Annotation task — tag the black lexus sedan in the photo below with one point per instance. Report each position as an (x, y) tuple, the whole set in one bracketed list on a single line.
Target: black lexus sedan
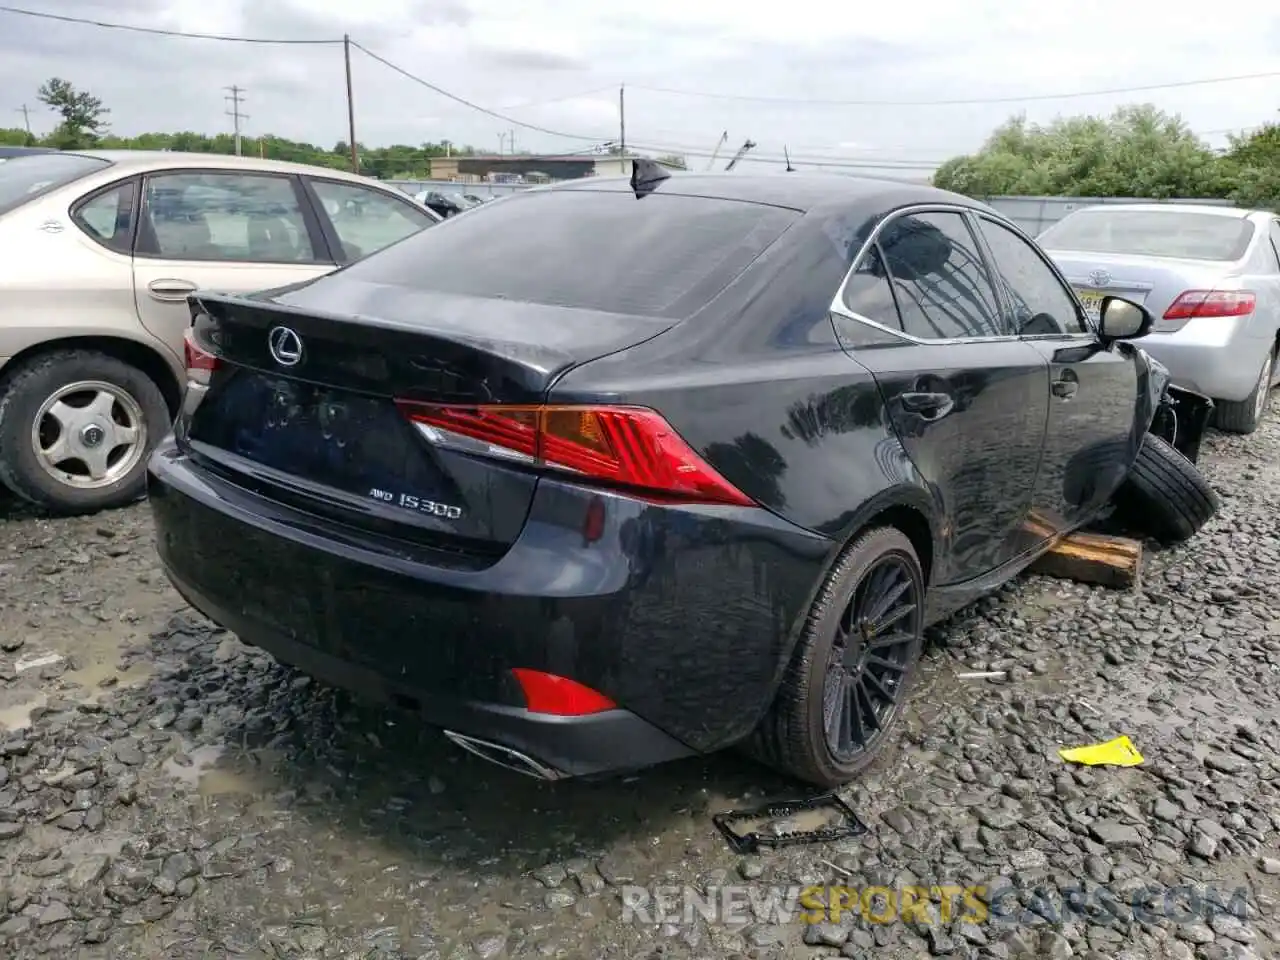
[(619, 471)]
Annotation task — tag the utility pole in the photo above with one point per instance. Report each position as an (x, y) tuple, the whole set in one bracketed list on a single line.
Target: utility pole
[(502, 144), (511, 141), (351, 105), (26, 121), (236, 116), (622, 121)]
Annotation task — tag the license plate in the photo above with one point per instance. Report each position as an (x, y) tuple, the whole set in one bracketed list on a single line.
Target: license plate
[(1092, 302)]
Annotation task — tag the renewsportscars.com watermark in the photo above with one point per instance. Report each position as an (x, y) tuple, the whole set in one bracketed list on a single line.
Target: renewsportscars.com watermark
[(747, 903)]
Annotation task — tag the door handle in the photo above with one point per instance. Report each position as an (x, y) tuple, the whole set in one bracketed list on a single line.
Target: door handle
[(1065, 388), (171, 290), (928, 406)]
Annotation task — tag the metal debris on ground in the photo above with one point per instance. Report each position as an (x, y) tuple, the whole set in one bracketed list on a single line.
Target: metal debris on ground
[(784, 823), (983, 675), (1119, 752)]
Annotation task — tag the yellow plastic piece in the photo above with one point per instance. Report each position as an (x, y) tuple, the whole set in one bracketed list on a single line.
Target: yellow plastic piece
[(1114, 753)]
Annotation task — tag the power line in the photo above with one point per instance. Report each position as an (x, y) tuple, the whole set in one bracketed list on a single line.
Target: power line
[(798, 101), (467, 103), (158, 32)]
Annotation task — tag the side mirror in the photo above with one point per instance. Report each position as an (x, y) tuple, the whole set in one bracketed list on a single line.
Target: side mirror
[(1121, 319)]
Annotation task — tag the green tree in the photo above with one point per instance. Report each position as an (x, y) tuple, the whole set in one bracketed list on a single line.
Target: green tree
[(1253, 162), (83, 115), (1137, 151)]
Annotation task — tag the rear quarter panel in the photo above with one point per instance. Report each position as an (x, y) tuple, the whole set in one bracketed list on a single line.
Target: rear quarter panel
[(761, 387), (56, 283)]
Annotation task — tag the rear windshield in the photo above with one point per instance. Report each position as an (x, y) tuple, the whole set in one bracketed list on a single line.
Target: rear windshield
[(25, 178), (660, 256), (1151, 233)]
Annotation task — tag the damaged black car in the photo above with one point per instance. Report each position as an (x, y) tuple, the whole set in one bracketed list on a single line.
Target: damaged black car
[(620, 471)]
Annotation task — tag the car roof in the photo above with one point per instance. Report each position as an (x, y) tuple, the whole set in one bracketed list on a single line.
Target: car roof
[(140, 161), (798, 191)]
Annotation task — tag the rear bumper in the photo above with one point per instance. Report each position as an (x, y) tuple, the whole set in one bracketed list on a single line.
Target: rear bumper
[(684, 617), (569, 746), (1220, 358)]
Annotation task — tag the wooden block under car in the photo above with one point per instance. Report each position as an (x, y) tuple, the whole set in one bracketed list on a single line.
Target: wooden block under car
[(1094, 558)]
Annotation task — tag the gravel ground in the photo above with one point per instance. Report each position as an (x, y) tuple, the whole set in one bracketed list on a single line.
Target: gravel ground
[(168, 792)]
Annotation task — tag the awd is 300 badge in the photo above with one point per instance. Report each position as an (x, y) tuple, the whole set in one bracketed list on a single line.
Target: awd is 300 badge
[(407, 501)]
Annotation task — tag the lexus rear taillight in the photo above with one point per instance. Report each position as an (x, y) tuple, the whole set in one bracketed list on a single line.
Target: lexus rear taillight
[(628, 447), (559, 696), (1211, 303), (200, 363)]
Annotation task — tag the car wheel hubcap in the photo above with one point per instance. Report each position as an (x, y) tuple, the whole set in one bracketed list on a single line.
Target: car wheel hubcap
[(89, 434), (870, 656), (1264, 388)]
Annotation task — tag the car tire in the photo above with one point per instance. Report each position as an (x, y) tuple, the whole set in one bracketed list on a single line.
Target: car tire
[(1165, 494), (794, 735), (1245, 416), (124, 396)]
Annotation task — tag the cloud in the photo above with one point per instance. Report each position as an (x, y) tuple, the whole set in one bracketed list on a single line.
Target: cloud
[(531, 60), (554, 59)]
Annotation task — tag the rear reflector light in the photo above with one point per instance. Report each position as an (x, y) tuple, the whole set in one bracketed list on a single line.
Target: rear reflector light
[(1211, 303), (200, 364), (631, 447), (559, 696)]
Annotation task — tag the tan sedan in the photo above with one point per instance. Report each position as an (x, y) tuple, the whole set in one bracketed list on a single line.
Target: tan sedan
[(98, 253)]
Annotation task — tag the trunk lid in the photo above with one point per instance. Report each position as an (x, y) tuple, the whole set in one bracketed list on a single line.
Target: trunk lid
[(315, 424), (1154, 282)]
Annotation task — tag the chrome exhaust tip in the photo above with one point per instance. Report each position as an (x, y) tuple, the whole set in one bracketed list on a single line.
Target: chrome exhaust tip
[(506, 757)]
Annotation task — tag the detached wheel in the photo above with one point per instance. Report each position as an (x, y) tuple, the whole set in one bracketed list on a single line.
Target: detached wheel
[(1165, 494), (853, 666), (1245, 416), (75, 431)]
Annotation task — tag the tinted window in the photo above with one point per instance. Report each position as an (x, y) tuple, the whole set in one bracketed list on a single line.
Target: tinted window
[(660, 255), (107, 217), (25, 178), (1151, 233), (939, 279), (1039, 301), (365, 219), (251, 218), (868, 291)]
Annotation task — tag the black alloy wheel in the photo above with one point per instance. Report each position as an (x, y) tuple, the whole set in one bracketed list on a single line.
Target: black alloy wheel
[(852, 667), (875, 646)]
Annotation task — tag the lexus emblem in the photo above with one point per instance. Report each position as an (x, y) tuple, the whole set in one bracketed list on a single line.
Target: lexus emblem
[(285, 346), (1099, 278)]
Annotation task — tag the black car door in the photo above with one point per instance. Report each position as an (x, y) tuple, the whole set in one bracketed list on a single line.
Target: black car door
[(967, 399), (1091, 441)]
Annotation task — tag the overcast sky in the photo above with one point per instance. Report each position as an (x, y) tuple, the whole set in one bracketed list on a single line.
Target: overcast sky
[(558, 64)]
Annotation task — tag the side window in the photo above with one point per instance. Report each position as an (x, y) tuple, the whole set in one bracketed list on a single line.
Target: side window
[(250, 218), (107, 217), (365, 219), (939, 279), (869, 292), (1041, 304), (1275, 241)]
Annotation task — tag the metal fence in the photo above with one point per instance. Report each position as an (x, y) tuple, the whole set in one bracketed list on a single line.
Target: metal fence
[(1037, 214), (447, 187), (1032, 214)]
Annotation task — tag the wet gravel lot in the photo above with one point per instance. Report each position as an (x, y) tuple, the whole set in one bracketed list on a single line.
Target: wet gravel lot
[(166, 792)]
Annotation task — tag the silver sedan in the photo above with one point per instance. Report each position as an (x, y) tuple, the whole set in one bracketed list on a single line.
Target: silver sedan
[(1211, 277)]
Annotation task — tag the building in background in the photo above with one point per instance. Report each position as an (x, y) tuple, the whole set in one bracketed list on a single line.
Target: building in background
[(530, 169)]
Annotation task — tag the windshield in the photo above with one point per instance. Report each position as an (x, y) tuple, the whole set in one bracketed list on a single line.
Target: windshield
[(1151, 233), (25, 178), (660, 256)]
